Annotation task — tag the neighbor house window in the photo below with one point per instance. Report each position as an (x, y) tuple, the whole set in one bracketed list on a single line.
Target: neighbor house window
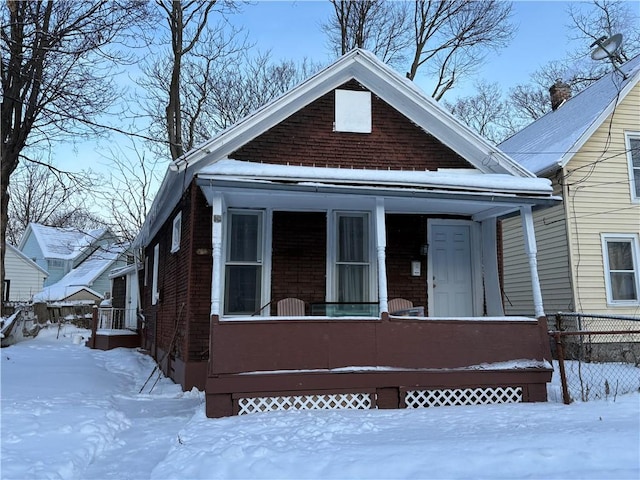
[(352, 258), (55, 263), (244, 258), (155, 292), (176, 233), (621, 268), (633, 154)]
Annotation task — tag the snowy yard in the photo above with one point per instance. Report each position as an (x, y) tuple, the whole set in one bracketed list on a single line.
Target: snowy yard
[(71, 412)]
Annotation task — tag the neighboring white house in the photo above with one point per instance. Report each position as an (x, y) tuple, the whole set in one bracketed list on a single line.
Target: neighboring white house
[(589, 246), (23, 277)]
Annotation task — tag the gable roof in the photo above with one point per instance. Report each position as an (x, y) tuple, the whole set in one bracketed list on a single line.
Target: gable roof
[(551, 141), (398, 91), (59, 293), (61, 243), (21, 256), (393, 88)]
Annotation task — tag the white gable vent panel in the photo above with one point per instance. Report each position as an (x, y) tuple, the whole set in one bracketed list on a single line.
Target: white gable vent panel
[(353, 111)]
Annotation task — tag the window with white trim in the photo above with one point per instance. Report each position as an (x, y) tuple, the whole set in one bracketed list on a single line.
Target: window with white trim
[(622, 273), (633, 156), (352, 254), (244, 262), (155, 292), (176, 233)]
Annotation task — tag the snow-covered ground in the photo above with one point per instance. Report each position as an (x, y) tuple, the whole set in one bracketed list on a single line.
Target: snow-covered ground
[(71, 412)]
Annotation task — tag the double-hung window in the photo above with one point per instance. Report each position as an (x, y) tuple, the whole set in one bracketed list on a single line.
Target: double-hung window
[(633, 155), (244, 261), (352, 255), (622, 271)]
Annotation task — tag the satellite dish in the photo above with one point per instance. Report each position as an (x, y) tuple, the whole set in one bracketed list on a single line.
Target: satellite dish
[(606, 47)]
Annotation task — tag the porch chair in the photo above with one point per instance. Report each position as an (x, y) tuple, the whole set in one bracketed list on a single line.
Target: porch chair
[(290, 307), (398, 305)]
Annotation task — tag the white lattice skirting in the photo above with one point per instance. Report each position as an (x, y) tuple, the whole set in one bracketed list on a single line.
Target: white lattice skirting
[(305, 402), (462, 396)]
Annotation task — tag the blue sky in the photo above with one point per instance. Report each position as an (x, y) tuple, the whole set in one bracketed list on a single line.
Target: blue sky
[(292, 30)]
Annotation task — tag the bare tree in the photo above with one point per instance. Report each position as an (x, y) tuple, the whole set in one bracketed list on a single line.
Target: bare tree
[(221, 82), (55, 74), (218, 50), (451, 38), (41, 193), (238, 89), (589, 21), (187, 20), (606, 18), (485, 112), (375, 25), (447, 38), (127, 193)]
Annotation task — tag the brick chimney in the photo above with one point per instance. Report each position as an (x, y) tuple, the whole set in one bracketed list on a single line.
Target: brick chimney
[(560, 92)]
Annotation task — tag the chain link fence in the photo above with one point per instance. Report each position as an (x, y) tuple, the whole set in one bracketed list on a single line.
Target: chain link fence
[(598, 355)]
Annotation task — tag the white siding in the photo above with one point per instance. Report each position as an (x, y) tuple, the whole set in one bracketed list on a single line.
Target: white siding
[(599, 201), (25, 278), (553, 264)]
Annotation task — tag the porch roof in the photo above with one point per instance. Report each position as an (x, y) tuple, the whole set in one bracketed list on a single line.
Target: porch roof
[(449, 192)]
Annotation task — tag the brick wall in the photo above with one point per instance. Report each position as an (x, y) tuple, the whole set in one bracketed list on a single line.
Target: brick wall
[(405, 235), (184, 279), (307, 138), (197, 225), (299, 256)]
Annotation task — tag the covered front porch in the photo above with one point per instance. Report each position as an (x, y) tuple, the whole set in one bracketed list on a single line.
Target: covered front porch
[(377, 290)]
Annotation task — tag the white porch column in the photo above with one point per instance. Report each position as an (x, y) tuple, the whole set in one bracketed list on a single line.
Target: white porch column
[(381, 245), (492, 293), (529, 235), (216, 249)]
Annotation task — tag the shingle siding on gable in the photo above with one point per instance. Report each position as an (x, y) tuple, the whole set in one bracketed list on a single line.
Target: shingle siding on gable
[(307, 138)]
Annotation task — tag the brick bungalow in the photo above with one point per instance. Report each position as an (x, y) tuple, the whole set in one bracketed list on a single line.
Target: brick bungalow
[(338, 248)]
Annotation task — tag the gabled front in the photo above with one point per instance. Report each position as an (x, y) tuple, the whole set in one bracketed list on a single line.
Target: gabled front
[(348, 226)]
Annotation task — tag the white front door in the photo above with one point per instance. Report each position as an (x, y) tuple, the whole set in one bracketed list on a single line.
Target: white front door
[(451, 269), (131, 301)]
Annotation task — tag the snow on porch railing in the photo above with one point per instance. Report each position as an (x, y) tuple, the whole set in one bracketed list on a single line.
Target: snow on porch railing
[(117, 318)]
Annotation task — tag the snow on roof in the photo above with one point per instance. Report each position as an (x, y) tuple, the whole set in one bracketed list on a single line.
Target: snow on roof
[(58, 293), (449, 179), (83, 276), (553, 139), (64, 243), (373, 74)]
